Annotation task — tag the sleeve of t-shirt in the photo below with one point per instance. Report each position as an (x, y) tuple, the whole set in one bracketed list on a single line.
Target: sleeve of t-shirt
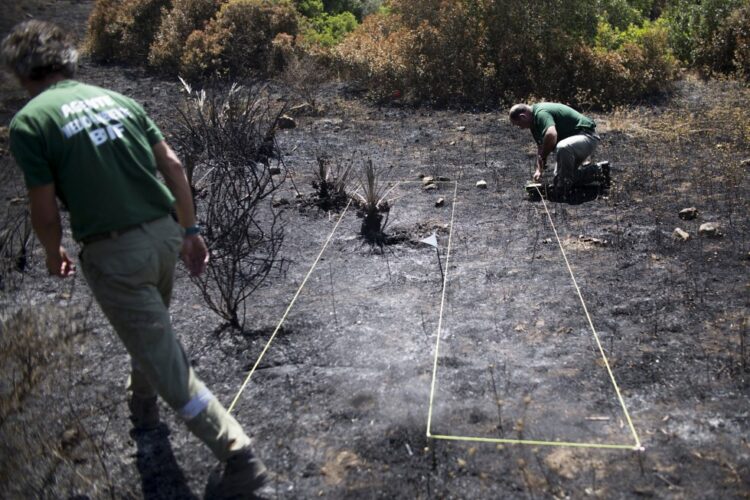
[(545, 121), (152, 132), (27, 147)]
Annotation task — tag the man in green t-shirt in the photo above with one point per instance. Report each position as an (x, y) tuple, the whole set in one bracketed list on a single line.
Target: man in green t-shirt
[(566, 132), (99, 153)]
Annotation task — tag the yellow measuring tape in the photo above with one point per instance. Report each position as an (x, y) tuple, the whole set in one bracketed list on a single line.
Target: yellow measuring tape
[(636, 446), (289, 308)]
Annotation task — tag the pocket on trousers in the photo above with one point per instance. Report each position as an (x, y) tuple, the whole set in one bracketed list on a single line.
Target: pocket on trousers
[(128, 268)]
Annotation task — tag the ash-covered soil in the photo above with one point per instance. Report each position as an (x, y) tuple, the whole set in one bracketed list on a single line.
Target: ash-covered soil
[(339, 403)]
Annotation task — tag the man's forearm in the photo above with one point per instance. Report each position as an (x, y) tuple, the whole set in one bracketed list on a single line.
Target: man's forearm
[(174, 176), (178, 185), (48, 231), (45, 217)]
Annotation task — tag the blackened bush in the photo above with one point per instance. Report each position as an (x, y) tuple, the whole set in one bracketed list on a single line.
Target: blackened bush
[(122, 31), (226, 136), (239, 40)]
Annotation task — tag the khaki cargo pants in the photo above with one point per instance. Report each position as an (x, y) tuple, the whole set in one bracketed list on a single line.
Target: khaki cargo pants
[(569, 154), (131, 278)]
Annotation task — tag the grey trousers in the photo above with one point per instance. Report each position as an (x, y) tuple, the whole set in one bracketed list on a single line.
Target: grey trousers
[(569, 155), (131, 277)]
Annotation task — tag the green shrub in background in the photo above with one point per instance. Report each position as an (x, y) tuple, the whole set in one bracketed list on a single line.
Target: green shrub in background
[(176, 25), (622, 13), (310, 8), (587, 52), (122, 31), (478, 52), (625, 65), (726, 51), (327, 30), (360, 8), (239, 40), (705, 34)]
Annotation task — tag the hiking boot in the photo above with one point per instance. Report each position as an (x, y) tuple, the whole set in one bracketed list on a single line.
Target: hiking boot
[(243, 477), (144, 412)]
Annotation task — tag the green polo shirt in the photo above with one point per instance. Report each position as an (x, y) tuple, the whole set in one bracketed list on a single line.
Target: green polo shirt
[(95, 146), (567, 121)]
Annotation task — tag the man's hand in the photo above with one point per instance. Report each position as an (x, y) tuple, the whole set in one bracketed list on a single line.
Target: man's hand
[(194, 254), (59, 264), (540, 165)]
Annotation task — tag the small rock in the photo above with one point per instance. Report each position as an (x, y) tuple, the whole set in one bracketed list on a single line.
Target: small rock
[(70, 438), (710, 230), (688, 213), (287, 122), (680, 234), (461, 128), (482, 184), (427, 180), (591, 240), (274, 170), (430, 187), (440, 202), (745, 162)]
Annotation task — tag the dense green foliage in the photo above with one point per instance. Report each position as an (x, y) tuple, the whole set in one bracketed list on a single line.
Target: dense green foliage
[(588, 52)]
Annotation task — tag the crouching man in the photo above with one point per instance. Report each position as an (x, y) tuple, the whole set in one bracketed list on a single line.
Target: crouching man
[(99, 153), (570, 135)]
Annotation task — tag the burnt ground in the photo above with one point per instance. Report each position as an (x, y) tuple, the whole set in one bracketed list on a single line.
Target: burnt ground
[(339, 403)]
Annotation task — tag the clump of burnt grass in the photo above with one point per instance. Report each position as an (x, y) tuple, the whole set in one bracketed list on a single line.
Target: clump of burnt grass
[(373, 204), (16, 241), (39, 432), (331, 181)]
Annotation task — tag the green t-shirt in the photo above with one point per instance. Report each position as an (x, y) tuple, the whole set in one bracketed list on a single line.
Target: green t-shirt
[(95, 146), (567, 121)]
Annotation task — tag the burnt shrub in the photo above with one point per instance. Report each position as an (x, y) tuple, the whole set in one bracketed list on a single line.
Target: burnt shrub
[(226, 135), (239, 40), (373, 205), (177, 24), (16, 238), (122, 31)]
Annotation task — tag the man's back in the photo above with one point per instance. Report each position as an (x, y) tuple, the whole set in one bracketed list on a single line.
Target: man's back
[(566, 120), (95, 146)]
